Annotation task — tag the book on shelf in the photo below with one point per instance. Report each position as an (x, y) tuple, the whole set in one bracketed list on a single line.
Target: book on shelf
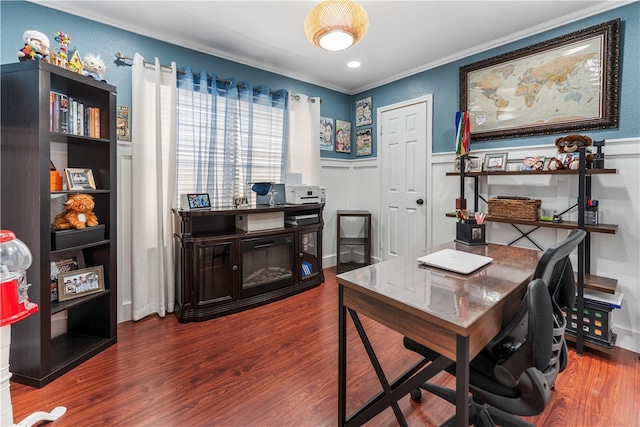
[(68, 115)]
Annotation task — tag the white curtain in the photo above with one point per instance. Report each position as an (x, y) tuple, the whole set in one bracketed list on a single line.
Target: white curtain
[(303, 138), (153, 128)]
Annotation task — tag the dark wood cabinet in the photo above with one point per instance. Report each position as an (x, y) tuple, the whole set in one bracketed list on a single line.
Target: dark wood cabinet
[(28, 146), (221, 269)]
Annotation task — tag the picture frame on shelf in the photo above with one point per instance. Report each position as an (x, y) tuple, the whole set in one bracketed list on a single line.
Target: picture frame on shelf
[(473, 164), (79, 283), (79, 179), (495, 162), (533, 163), (583, 65), (64, 263)]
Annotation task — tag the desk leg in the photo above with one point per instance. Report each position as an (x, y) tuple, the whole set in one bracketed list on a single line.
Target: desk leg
[(462, 381), (342, 359)]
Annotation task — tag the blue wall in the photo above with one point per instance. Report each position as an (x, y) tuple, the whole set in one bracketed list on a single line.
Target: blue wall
[(92, 37), (442, 82)]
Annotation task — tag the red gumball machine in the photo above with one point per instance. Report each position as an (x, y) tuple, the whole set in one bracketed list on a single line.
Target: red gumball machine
[(15, 259)]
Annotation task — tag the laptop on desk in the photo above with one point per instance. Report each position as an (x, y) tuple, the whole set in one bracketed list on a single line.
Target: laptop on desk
[(456, 261)]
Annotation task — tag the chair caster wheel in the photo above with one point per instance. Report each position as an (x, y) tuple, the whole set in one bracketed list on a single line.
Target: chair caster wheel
[(416, 395)]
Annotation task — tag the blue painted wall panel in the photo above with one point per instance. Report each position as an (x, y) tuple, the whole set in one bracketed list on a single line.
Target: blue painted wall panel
[(442, 82)]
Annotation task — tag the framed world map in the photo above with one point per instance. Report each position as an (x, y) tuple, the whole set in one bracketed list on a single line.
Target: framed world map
[(566, 84)]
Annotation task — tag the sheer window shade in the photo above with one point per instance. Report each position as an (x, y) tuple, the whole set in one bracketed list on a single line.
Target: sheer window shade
[(228, 137)]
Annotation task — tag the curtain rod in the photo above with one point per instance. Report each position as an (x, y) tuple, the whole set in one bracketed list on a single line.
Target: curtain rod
[(122, 57), (297, 98)]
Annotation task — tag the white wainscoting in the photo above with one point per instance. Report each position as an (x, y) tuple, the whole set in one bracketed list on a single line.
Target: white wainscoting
[(124, 231), (350, 184), (355, 184)]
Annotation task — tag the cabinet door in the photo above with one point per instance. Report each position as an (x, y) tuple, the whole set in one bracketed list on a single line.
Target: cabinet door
[(309, 264), (215, 272)]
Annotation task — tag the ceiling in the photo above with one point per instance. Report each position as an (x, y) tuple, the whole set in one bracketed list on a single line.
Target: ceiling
[(404, 37)]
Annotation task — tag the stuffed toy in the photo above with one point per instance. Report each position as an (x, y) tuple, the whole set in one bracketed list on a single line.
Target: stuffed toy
[(568, 155), (77, 213), (93, 66), (36, 46)]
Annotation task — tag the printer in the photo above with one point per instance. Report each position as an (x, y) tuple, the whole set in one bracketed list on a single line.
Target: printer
[(302, 194)]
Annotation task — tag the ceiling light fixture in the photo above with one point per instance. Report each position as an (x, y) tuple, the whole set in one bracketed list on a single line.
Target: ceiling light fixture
[(353, 64), (336, 24)]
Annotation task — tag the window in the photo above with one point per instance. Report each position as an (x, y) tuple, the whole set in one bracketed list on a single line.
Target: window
[(228, 137)]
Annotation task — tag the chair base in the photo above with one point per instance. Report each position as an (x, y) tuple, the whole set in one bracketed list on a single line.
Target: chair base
[(480, 413)]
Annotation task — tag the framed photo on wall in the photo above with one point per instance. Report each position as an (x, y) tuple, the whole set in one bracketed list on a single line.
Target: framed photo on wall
[(326, 134), (343, 136), (567, 84), (364, 142), (123, 127), (364, 113)]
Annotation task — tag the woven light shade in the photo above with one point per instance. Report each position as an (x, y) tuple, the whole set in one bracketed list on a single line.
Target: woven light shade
[(336, 24)]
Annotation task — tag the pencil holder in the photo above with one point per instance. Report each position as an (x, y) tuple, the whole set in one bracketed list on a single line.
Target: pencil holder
[(470, 234)]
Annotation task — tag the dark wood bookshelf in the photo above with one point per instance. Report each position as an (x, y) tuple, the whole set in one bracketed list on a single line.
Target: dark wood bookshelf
[(28, 142)]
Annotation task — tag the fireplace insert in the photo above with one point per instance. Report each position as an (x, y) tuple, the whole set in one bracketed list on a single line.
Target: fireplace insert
[(267, 264)]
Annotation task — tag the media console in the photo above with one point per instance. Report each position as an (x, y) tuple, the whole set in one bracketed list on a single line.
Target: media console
[(221, 269)]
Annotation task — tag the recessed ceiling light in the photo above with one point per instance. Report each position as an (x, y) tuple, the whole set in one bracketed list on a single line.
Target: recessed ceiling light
[(353, 64)]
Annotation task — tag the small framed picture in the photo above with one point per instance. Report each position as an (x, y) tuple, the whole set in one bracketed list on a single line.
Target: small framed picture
[(363, 142), (195, 201), (364, 112), (122, 123), (533, 163), (79, 179), (474, 164), (495, 162), (343, 136), (78, 283), (326, 134), (64, 264)]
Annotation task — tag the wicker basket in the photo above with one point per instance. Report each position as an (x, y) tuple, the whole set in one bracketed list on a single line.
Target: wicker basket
[(524, 210)]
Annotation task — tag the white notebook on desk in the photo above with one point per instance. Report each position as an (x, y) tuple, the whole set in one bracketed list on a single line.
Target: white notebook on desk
[(457, 261)]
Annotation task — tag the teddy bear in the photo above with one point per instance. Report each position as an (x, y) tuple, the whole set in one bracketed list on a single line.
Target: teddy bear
[(568, 157), (77, 213)]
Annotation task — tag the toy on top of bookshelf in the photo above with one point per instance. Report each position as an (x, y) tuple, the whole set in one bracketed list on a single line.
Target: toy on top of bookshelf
[(94, 67), (75, 62), (36, 46), (59, 55)]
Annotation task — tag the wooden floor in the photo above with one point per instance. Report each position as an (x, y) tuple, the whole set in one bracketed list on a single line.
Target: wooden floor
[(276, 365)]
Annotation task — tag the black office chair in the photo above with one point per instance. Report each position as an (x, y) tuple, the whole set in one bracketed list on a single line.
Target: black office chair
[(513, 375)]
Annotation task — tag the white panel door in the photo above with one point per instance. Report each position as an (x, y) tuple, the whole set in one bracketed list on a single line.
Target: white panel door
[(403, 145)]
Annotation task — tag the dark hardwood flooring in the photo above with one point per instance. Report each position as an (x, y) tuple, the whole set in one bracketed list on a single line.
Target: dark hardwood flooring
[(276, 365)]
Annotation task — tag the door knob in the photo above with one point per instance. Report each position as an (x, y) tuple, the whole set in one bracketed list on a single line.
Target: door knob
[(420, 201)]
